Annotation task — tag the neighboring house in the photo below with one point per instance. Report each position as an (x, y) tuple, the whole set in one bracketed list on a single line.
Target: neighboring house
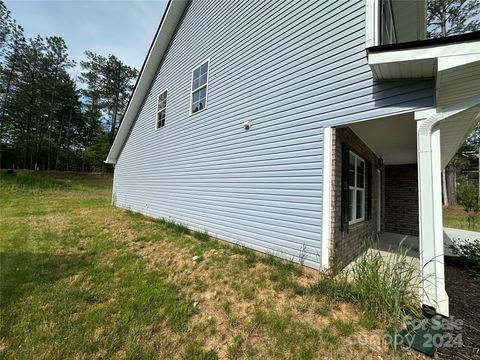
[(299, 128)]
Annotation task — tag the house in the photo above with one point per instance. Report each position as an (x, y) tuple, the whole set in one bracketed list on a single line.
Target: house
[(300, 128)]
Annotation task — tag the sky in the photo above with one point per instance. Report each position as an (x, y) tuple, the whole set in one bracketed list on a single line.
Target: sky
[(124, 28)]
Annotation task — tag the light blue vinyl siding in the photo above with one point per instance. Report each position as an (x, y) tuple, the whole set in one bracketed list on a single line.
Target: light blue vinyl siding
[(291, 68)]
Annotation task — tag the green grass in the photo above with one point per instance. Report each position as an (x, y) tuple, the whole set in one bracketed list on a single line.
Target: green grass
[(292, 338), (235, 350), (368, 321), (56, 295), (23, 181), (195, 351), (455, 217), (460, 222), (82, 279), (344, 327)]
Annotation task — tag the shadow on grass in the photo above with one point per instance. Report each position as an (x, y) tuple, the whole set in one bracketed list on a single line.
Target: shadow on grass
[(21, 273)]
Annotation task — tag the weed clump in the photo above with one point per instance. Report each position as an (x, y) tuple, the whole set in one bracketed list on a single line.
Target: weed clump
[(385, 288), (201, 236)]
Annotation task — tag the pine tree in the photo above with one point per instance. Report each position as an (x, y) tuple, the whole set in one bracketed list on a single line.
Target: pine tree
[(451, 17), (112, 83), (46, 121), (58, 63)]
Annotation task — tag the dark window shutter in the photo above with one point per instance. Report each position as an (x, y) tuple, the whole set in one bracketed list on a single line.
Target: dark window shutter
[(369, 190), (345, 187)]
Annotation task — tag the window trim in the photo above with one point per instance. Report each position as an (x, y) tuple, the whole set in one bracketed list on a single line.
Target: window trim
[(355, 188), (199, 88), (159, 110), (372, 23)]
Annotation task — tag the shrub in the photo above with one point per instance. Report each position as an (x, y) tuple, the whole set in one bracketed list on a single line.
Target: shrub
[(467, 195), (469, 252)]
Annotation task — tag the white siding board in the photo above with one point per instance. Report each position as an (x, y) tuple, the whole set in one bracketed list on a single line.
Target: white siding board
[(292, 68), (269, 119)]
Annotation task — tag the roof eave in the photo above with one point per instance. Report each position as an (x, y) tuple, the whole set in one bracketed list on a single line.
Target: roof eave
[(166, 30)]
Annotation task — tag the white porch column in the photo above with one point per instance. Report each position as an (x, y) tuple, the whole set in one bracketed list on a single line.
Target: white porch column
[(430, 216)]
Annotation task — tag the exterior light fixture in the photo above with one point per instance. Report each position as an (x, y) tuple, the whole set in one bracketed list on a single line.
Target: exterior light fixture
[(380, 162)]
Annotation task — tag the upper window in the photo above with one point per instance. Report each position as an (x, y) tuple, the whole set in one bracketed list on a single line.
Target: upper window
[(161, 109), (198, 101), (356, 185)]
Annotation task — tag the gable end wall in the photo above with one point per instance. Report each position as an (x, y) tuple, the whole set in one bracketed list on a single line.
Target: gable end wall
[(291, 68)]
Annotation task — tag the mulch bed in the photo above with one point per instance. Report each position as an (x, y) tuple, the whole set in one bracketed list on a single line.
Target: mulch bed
[(464, 294)]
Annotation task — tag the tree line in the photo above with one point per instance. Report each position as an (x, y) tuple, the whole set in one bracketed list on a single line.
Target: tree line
[(447, 18), (49, 119)]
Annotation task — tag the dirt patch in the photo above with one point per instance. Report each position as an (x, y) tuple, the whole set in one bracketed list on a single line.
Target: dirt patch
[(454, 211)]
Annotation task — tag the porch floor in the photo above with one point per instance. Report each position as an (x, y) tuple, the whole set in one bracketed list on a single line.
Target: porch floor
[(390, 242)]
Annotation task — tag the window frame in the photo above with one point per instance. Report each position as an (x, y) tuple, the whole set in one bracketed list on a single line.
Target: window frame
[(162, 109), (372, 23), (206, 85), (356, 189)]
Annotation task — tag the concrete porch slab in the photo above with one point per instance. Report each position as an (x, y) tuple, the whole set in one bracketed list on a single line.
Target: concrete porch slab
[(390, 241), (389, 257)]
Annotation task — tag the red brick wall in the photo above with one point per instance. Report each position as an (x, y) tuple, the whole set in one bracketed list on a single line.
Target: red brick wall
[(347, 245), (401, 199)]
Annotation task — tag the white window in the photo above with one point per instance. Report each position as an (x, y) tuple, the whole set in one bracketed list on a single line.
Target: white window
[(198, 99), (356, 193), (161, 109)]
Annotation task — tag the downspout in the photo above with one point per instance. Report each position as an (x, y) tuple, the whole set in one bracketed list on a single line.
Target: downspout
[(426, 128), (431, 227), (431, 256)]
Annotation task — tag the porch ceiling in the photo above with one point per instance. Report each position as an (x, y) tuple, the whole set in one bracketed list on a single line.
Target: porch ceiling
[(393, 138), (457, 83), (457, 80), (454, 131)]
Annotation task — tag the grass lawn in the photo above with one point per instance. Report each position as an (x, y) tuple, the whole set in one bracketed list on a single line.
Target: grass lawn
[(455, 217), (82, 279)]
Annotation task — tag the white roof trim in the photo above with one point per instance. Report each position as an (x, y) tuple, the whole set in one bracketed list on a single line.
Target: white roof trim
[(165, 32), (470, 47)]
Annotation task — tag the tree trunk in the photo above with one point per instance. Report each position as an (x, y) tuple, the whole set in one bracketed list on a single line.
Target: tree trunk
[(59, 144), (114, 119), (50, 117), (451, 179), (444, 189), (28, 136), (443, 24), (5, 99)]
